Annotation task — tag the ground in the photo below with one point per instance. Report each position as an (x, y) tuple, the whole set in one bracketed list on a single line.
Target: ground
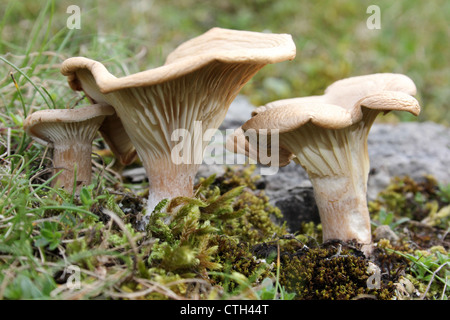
[(228, 242), (224, 243)]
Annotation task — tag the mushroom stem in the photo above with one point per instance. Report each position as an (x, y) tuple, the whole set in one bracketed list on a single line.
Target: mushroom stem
[(167, 181), (337, 163), (71, 156), (343, 209)]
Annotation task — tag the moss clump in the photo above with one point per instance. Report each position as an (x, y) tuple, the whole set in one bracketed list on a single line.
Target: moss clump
[(186, 231), (331, 274), (181, 238), (406, 197), (257, 223), (236, 256), (425, 205)]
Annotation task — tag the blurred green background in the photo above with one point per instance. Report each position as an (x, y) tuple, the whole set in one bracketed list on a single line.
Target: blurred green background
[(332, 39)]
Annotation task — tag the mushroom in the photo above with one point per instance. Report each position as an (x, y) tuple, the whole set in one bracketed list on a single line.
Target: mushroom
[(327, 136), (70, 133), (115, 136), (182, 100)]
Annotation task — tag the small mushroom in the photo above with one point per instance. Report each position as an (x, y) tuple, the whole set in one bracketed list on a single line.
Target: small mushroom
[(115, 136), (180, 100), (327, 136), (70, 133)]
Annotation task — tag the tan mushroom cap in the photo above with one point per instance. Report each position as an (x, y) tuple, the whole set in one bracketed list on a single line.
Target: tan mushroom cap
[(295, 114), (292, 116), (285, 102), (391, 101), (218, 44), (43, 125), (347, 92)]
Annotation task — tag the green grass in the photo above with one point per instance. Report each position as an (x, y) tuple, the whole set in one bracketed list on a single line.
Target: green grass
[(42, 230)]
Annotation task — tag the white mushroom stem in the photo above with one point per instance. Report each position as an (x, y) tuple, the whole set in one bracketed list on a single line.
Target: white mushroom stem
[(337, 163), (343, 208), (169, 181)]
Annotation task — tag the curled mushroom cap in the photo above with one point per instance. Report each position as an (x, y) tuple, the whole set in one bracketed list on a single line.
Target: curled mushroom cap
[(180, 100), (327, 135), (70, 133), (347, 92)]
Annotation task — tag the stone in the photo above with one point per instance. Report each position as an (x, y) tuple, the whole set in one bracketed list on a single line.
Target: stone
[(298, 206), (385, 232), (412, 149)]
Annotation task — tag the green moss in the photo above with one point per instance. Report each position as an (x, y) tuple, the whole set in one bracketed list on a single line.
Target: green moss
[(215, 230), (226, 239), (429, 271), (236, 256), (121, 239), (181, 238), (323, 273), (257, 223), (309, 231), (405, 197), (80, 249)]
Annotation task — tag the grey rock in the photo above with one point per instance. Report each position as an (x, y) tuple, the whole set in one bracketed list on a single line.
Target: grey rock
[(385, 232), (298, 205), (408, 149)]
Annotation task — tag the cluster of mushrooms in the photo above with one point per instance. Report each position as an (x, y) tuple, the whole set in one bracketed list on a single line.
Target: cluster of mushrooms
[(137, 114)]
